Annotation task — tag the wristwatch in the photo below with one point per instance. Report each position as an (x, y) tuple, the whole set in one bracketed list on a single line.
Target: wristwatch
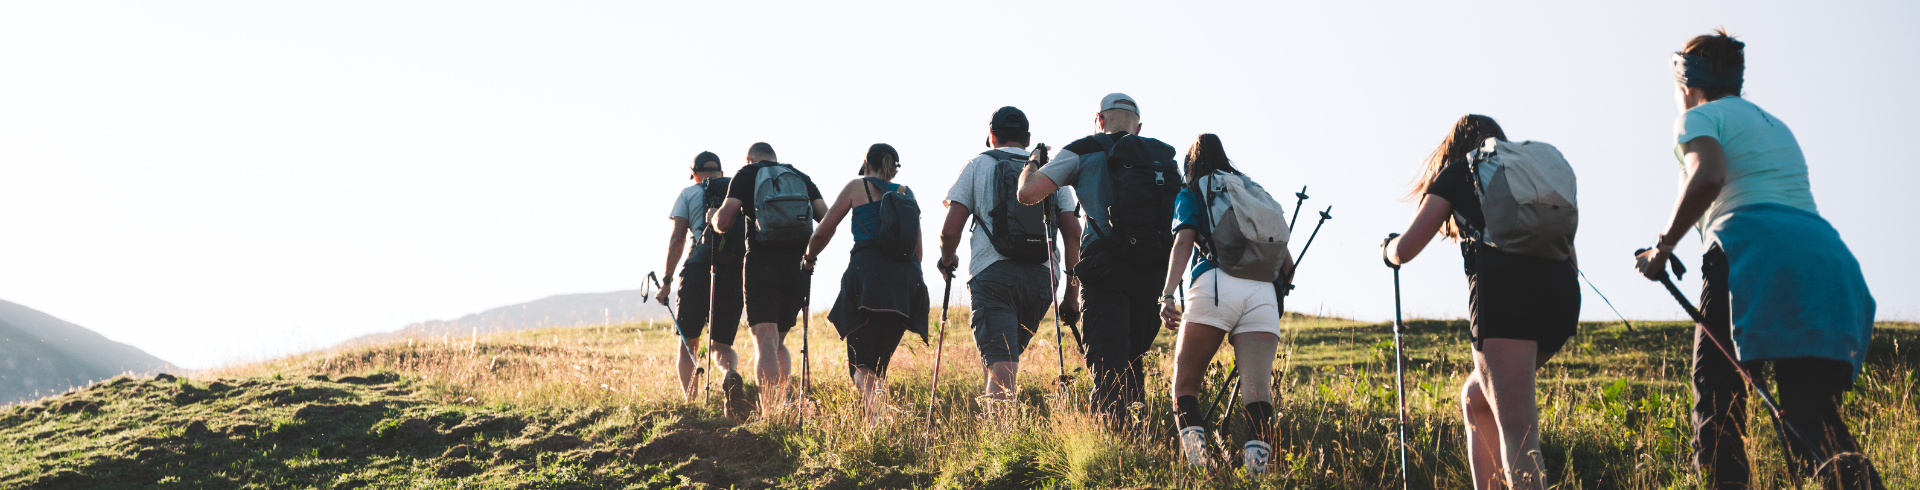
[(1166, 299)]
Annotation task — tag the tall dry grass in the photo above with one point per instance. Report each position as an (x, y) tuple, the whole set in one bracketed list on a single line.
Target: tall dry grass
[(1613, 405)]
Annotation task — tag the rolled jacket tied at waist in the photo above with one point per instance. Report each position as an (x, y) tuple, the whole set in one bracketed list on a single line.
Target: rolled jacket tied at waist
[(1697, 71)]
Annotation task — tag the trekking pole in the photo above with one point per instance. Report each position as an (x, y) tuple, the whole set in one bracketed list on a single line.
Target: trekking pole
[(1235, 372), (1782, 427), (1603, 297), (806, 363), (933, 391), (1059, 337), (1399, 373), (685, 345), (1302, 197)]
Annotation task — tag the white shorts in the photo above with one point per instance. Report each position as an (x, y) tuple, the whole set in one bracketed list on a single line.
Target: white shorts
[(1244, 305)]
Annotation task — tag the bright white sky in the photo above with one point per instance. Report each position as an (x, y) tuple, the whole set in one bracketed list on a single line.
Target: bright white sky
[(223, 181)]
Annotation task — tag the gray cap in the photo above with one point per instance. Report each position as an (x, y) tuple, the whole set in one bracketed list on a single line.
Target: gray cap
[(1118, 100)]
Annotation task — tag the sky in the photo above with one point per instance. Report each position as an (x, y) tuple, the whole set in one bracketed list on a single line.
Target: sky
[(221, 182)]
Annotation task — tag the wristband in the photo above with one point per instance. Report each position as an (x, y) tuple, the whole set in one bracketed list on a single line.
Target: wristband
[(1663, 246), (1166, 299)]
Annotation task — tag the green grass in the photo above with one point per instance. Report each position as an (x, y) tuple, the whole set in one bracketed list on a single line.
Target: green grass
[(597, 407)]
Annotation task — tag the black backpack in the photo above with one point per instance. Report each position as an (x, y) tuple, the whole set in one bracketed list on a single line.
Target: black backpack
[(1145, 182), (1017, 231), (710, 243), (899, 215)]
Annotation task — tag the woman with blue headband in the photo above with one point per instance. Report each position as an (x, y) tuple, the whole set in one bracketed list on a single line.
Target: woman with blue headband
[(1778, 281)]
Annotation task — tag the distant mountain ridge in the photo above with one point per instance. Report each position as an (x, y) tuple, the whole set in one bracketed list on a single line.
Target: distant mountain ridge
[(553, 311), (42, 355)]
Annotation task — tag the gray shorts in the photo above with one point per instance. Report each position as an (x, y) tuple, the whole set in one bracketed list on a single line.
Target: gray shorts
[(1009, 299)]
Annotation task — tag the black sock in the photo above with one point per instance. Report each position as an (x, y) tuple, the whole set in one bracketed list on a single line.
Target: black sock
[(1187, 409), (1259, 421)]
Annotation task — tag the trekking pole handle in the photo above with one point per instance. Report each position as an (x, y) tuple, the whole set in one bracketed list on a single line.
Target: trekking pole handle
[(1383, 251)]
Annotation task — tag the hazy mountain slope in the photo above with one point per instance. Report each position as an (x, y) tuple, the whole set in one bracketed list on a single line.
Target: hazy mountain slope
[(41, 355), (552, 311)]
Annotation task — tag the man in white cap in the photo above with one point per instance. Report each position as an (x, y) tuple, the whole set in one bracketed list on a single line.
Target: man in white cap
[(1127, 184)]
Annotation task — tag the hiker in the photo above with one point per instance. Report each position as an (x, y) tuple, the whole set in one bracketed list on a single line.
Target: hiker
[(780, 205), (882, 293), (1127, 184), (710, 280), (1777, 281), (1524, 302), (1010, 273), (1240, 268)]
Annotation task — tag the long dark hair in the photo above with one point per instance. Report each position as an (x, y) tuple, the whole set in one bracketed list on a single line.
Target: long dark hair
[(1469, 133), (1206, 156)]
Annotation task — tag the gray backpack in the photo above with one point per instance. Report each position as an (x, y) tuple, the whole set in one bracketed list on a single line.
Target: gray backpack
[(782, 209), (1526, 190), (1247, 232)]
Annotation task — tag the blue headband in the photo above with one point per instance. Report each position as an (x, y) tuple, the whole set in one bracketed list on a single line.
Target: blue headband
[(1696, 71)]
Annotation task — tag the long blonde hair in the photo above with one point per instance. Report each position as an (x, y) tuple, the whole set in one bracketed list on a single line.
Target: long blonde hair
[(1468, 133)]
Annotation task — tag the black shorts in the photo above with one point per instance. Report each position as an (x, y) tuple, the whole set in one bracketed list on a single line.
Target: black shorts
[(872, 345), (775, 286), (1522, 298), (710, 292)]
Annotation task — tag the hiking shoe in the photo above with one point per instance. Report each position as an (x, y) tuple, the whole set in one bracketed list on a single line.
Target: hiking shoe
[(738, 406), (1258, 454), (1193, 445)]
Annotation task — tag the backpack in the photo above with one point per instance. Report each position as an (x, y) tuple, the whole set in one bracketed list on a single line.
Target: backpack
[(1017, 231), (899, 218), (1246, 230), (782, 209), (1526, 191), (708, 242), (1145, 182)]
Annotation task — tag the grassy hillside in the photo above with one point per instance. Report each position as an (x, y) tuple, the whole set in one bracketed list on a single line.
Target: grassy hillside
[(42, 355), (597, 408)]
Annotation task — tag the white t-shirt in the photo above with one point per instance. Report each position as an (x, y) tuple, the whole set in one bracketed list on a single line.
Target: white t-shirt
[(689, 207), (974, 189), (1764, 162)]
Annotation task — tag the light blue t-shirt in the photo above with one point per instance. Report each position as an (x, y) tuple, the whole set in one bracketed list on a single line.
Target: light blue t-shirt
[(1764, 163)]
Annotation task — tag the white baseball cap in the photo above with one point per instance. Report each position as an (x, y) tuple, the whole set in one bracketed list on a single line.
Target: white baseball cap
[(1118, 100)]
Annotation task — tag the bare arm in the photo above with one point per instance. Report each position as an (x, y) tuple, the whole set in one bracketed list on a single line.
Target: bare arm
[(1176, 266), (824, 233), (956, 223), (724, 218), (1070, 234), (819, 209), (1434, 211), (1706, 176), (674, 249), (1035, 186)]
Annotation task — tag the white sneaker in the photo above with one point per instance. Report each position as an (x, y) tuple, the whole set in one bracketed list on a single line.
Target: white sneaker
[(1258, 454), (1193, 445)]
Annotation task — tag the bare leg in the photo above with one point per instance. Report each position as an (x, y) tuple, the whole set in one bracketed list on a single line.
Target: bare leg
[(770, 360), (1192, 352), (871, 388), (1001, 377), (1483, 437), (724, 355), (687, 364), (1507, 367)]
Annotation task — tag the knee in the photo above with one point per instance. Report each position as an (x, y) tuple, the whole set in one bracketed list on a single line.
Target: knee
[(1473, 400)]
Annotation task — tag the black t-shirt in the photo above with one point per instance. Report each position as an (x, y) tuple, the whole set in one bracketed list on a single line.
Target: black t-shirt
[(1455, 184), (742, 187)]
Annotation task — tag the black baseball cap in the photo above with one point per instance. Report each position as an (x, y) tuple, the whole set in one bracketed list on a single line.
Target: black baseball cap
[(706, 162), (1007, 119)]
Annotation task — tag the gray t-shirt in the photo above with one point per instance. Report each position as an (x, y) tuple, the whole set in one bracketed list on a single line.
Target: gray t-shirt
[(974, 189), (1083, 166), (690, 206)]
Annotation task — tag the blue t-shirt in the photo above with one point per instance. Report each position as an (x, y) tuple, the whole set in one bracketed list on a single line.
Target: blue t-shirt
[(1188, 213)]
